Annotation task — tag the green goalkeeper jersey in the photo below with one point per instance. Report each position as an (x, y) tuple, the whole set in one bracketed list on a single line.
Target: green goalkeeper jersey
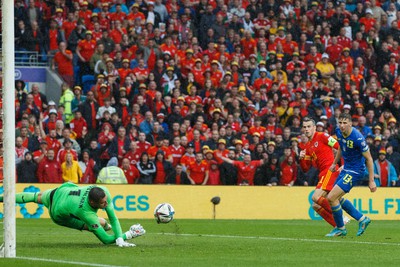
[(70, 207)]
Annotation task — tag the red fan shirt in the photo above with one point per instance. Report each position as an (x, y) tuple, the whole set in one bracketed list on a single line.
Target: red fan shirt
[(246, 172)]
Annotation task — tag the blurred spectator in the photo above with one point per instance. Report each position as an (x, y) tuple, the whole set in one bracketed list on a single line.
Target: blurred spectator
[(163, 167), (89, 168), (49, 169), (20, 150), (198, 172), (63, 61), (385, 173), (130, 170), (111, 174), (71, 171), (246, 168), (288, 172), (147, 169), (26, 169), (177, 176), (214, 174)]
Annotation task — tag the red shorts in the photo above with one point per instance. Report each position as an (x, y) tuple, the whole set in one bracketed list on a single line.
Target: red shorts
[(327, 179)]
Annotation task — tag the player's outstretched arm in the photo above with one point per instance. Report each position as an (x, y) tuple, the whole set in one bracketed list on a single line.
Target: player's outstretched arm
[(370, 167), (116, 226), (228, 160), (94, 226)]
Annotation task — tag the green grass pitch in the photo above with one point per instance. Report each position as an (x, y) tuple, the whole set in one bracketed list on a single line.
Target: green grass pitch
[(210, 243)]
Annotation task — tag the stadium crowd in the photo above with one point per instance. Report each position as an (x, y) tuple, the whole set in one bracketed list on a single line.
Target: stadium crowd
[(203, 91)]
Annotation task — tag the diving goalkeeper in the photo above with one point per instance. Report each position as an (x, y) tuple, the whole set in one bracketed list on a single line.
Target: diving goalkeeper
[(76, 207)]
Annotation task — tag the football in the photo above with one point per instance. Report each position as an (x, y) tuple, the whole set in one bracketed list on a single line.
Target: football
[(164, 213)]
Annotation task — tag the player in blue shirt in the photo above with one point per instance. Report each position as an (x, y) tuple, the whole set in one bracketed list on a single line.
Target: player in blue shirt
[(355, 152)]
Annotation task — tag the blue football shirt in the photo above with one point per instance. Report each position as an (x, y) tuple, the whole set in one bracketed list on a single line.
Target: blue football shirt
[(352, 148)]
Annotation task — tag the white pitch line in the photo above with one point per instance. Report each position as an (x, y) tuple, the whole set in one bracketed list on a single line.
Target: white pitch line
[(284, 239), (69, 262)]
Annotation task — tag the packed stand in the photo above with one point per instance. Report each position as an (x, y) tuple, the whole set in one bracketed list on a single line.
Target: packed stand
[(204, 92)]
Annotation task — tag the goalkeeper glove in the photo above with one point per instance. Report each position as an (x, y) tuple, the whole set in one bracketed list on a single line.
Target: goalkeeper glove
[(121, 243), (135, 231)]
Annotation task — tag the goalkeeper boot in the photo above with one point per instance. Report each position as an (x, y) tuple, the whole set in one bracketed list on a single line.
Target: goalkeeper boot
[(362, 226), (337, 232), (135, 231)]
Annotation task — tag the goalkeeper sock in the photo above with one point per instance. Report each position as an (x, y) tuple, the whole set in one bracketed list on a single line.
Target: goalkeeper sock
[(327, 216), (323, 202), (350, 209), (21, 198)]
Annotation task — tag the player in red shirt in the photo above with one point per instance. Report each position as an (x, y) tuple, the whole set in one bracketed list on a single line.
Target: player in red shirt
[(198, 170), (246, 168), (318, 151)]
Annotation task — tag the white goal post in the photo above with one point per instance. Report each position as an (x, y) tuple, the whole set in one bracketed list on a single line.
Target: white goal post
[(9, 248)]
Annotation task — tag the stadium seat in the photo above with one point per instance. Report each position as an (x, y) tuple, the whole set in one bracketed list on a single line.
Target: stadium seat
[(87, 83)]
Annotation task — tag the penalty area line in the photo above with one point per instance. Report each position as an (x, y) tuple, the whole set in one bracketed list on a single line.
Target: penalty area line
[(283, 239), (69, 262)]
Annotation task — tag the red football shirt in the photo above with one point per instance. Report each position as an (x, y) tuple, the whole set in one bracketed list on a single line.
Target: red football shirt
[(319, 150), (198, 171), (64, 64), (186, 160), (246, 172), (177, 153), (131, 174), (87, 48)]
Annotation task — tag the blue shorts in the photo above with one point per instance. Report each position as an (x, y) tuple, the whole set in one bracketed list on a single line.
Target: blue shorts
[(348, 179)]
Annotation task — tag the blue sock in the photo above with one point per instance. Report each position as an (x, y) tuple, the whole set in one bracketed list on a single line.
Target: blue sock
[(337, 213), (350, 209)]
